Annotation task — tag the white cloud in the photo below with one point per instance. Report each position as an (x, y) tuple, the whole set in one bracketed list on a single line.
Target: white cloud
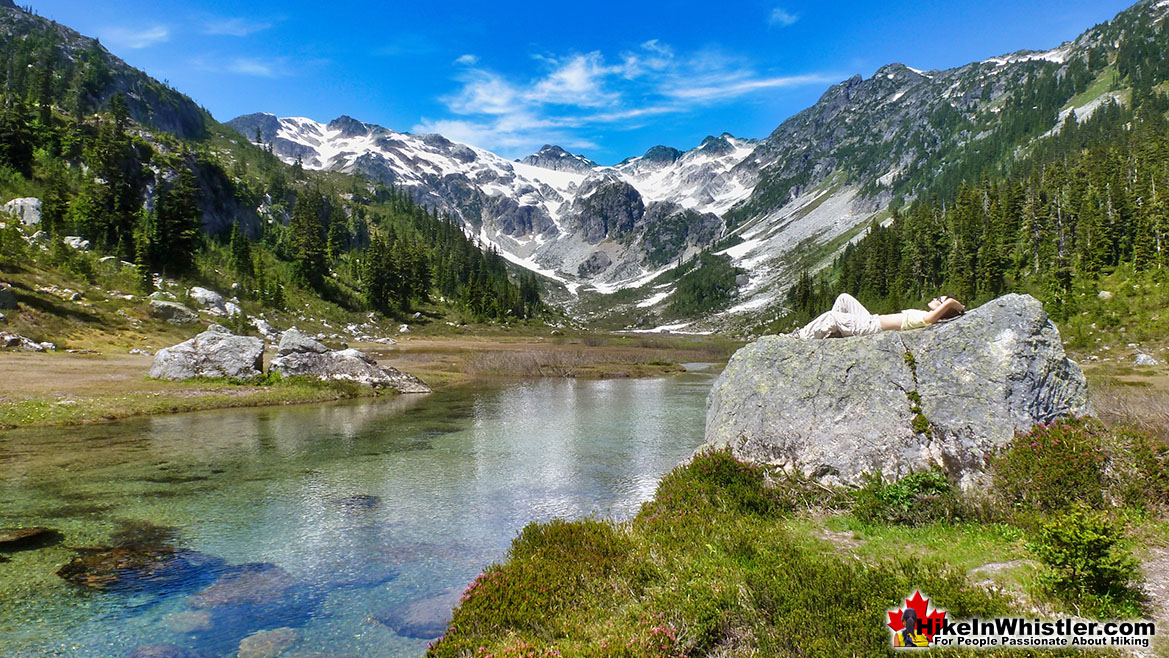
[(233, 27), (257, 66), (136, 38), (467, 60), (782, 17), (579, 92)]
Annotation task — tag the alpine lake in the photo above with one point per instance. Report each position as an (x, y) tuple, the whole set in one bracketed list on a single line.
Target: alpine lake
[(343, 529)]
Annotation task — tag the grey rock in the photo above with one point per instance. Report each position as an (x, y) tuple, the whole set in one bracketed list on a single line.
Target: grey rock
[(76, 242), (250, 584), (1143, 359), (231, 308), (172, 312), (597, 262), (27, 210), (7, 297), (10, 341), (424, 618), (266, 644), (1104, 295), (213, 353), (208, 299), (839, 409), (301, 355), (161, 294)]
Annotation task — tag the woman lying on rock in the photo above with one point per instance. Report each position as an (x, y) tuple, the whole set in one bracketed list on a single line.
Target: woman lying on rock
[(849, 318)]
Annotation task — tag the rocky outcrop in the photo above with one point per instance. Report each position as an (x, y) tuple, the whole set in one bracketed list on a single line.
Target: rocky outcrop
[(557, 159), (301, 355), (944, 396), (213, 353), (10, 341), (208, 299), (172, 312), (27, 210)]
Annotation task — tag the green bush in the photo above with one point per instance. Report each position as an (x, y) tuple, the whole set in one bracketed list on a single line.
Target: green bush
[(713, 479), (1054, 465), (1085, 556), (922, 497)]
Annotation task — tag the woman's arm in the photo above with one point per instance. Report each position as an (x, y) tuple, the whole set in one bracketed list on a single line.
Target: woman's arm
[(948, 308)]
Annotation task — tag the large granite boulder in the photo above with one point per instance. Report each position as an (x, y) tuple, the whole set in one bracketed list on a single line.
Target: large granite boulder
[(299, 354), (214, 353), (27, 210), (210, 300), (944, 396), (172, 312)]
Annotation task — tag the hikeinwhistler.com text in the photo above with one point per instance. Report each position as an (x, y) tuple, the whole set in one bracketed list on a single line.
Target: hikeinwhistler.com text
[(1040, 633)]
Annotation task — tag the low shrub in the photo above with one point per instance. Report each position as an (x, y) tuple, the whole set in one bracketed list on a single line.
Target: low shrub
[(1054, 465), (921, 497), (549, 567), (715, 479), (1086, 558)]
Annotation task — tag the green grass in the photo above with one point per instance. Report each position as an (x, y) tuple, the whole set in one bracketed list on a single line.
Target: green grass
[(1102, 84), (191, 395)]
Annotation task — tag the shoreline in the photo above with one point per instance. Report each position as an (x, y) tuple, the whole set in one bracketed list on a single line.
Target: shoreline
[(56, 390)]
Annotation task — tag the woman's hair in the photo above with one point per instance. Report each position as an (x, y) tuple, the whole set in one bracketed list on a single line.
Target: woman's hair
[(909, 618)]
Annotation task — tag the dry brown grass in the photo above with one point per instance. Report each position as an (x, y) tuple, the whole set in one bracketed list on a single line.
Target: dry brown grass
[(1142, 407)]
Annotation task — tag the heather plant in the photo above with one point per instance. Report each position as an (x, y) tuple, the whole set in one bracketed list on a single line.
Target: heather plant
[(1054, 465)]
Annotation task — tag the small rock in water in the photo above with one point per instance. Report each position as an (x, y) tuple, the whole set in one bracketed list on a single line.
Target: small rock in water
[(188, 621), (267, 644), (358, 502), (20, 539), (423, 619), (1145, 360)]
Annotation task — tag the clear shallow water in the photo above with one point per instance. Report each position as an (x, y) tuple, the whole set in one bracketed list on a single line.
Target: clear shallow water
[(370, 507)]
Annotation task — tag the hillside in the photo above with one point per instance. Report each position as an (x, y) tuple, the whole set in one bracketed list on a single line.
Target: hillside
[(140, 189)]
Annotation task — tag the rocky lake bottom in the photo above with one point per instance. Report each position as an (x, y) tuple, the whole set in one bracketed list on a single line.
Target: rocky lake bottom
[(338, 529)]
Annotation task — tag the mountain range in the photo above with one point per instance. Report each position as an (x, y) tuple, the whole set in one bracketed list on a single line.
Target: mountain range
[(775, 206)]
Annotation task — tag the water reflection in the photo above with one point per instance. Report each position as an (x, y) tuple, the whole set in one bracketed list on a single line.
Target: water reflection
[(359, 519)]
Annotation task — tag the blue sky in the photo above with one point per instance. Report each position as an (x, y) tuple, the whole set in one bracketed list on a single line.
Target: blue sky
[(605, 79)]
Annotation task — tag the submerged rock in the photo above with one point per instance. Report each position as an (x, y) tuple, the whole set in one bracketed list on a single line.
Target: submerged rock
[(250, 584), (299, 354), (213, 353), (423, 619), (162, 651), (266, 644), (891, 403), (139, 569), (20, 539)]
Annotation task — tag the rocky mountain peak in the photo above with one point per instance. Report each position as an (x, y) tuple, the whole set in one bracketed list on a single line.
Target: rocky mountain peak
[(349, 126), (8, 4), (555, 158)]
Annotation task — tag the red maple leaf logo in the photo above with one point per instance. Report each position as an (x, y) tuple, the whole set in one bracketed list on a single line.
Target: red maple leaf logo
[(931, 621)]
